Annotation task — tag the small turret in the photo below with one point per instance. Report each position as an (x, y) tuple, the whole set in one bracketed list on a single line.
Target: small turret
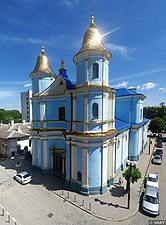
[(43, 63)]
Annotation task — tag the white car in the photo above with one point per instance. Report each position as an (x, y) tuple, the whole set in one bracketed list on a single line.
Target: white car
[(152, 180), (151, 202), (23, 177)]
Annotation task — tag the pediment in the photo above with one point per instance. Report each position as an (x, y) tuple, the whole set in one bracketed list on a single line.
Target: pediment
[(56, 88)]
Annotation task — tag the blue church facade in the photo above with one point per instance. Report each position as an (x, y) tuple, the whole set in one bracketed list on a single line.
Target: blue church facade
[(84, 131)]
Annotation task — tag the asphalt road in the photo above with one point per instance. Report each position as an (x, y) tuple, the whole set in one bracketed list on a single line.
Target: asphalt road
[(33, 204)]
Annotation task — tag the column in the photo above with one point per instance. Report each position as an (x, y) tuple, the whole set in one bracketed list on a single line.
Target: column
[(74, 112), (74, 162), (39, 152), (105, 166), (85, 167), (45, 154), (86, 111)]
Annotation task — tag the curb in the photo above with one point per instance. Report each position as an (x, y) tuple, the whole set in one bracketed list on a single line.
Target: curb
[(106, 218)]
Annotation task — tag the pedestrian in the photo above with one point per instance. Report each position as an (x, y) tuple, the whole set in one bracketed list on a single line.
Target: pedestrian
[(120, 181)]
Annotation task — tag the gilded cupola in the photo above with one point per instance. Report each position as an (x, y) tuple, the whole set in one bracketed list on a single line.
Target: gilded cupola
[(43, 63), (92, 40)]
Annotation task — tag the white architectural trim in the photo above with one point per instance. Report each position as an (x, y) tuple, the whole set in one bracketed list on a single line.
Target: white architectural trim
[(39, 152), (84, 167), (45, 150)]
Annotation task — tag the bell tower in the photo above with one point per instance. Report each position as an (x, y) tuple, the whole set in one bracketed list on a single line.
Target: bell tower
[(92, 60), (42, 75)]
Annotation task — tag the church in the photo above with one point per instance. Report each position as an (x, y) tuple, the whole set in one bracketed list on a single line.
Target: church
[(85, 131)]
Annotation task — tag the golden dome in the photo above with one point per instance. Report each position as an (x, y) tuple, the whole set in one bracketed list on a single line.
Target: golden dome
[(92, 39), (43, 63)]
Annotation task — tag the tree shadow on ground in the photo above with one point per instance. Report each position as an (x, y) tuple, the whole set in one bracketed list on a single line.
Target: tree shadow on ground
[(109, 204), (117, 191)]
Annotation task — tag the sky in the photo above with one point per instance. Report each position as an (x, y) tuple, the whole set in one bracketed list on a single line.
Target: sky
[(133, 31)]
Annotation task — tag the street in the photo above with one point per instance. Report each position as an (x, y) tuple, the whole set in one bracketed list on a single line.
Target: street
[(36, 204)]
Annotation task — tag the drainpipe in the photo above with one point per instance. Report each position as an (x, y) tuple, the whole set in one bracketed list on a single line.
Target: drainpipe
[(71, 127)]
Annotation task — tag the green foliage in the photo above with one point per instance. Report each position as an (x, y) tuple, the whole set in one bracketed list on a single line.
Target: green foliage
[(152, 112), (157, 125), (135, 174), (7, 115)]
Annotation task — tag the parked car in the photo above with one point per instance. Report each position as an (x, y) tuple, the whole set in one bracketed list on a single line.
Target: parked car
[(158, 151), (151, 202), (157, 160), (152, 180), (159, 144), (23, 177)]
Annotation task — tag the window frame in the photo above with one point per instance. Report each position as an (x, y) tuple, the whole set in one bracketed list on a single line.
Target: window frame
[(95, 70), (95, 110), (61, 113)]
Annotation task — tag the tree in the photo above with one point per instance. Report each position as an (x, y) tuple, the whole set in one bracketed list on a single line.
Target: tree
[(157, 125), (7, 115), (150, 112), (132, 172), (162, 104)]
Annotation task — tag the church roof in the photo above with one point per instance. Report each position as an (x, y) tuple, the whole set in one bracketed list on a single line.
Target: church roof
[(126, 92), (92, 38), (43, 64), (121, 125), (70, 85)]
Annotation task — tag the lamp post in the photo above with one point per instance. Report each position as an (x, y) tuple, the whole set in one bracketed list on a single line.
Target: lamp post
[(130, 164), (149, 143)]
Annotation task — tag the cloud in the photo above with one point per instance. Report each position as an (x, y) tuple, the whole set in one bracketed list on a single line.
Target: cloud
[(147, 86), (162, 89), (27, 85), (6, 94), (14, 82), (123, 84), (59, 41), (124, 51), (19, 40), (70, 3), (144, 73)]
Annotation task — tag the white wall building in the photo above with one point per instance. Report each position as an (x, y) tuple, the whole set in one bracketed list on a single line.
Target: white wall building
[(26, 106)]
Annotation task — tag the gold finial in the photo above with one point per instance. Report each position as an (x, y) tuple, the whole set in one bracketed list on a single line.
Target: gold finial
[(62, 66), (92, 23), (92, 10), (43, 51)]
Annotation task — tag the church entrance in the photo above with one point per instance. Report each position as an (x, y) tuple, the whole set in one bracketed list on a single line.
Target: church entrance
[(59, 162)]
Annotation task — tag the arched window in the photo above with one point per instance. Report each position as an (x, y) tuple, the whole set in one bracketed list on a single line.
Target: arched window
[(62, 113), (95, 110), (95, 70)]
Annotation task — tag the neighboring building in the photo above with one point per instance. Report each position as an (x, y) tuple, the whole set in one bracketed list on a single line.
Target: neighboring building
[(26, 106), (85, 131), (14, 139)]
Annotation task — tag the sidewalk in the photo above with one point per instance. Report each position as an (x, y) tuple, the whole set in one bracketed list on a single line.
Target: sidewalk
[(110, 206)]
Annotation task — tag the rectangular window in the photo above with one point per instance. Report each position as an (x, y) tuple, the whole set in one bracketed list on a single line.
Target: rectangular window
[(62, 113)]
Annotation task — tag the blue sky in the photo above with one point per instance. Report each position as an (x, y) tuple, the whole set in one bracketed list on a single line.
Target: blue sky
[(133, 31)]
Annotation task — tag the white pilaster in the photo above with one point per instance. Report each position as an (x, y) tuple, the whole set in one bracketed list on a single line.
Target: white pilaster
[(84, 167), (45, 154), (105, 166), (44, 109), (39, 152), (86, 110), (74, 111), (86, 69), (74, 162), (33, 153)]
